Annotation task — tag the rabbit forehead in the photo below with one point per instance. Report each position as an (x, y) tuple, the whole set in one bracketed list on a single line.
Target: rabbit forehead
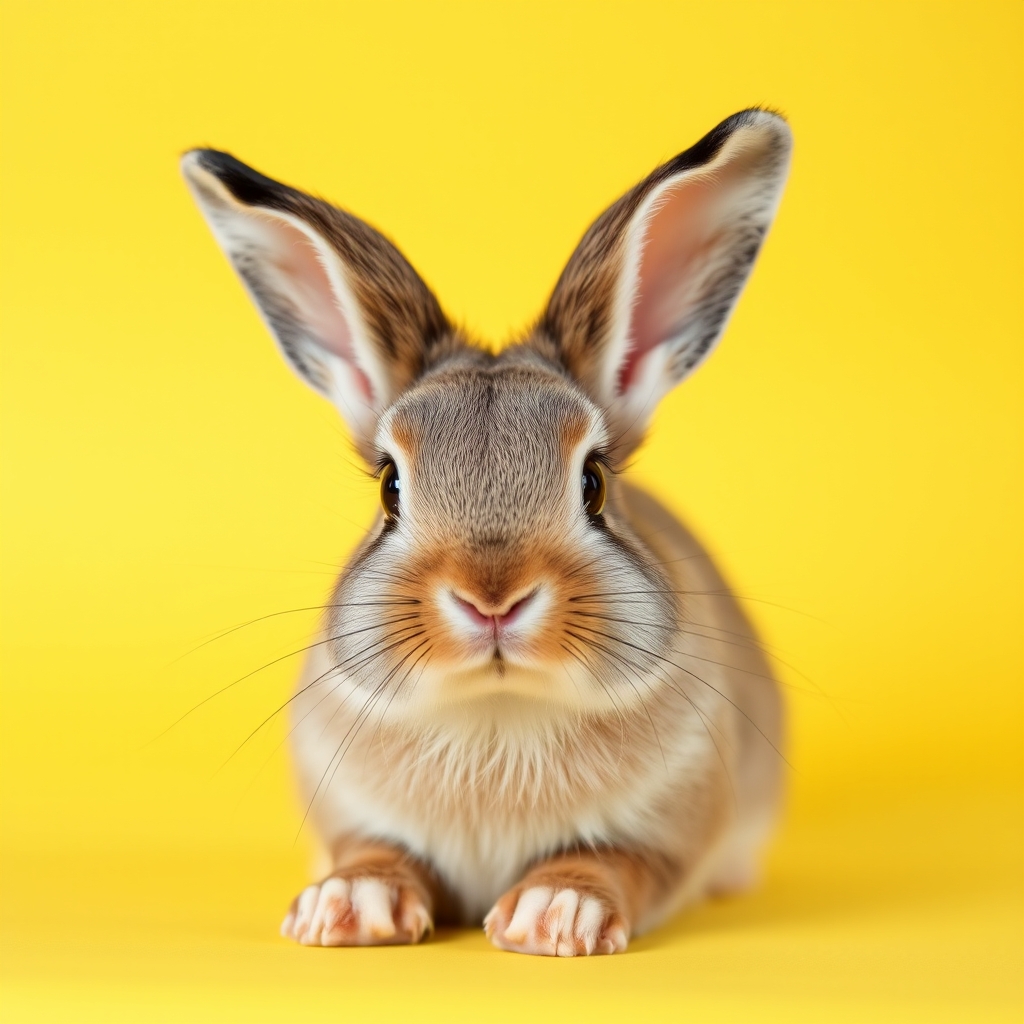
[(491, 446)]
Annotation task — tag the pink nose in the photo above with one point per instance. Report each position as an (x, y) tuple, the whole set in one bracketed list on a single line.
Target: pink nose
[(493, 616)]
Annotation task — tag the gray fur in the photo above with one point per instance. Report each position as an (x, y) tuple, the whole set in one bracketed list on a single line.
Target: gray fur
[(635, 712)]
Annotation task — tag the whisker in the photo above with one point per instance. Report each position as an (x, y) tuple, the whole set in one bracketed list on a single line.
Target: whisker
[(341, 666), (611, 696), (394, 694), (353, 731), (292, 611), (682, 693), (635, 670), (744, 642), (668, 661), (319, 679), (333, 670), (695, 657), (731, 595), (255, 671), (637, 667), (379, 688)]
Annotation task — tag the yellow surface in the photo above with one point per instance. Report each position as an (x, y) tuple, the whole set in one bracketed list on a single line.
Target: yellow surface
[(852, 452)]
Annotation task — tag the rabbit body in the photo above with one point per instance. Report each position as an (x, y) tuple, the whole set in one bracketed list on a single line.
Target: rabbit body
[(480, 796), (534, 702)]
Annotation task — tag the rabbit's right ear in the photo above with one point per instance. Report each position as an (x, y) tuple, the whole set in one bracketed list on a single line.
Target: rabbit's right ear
[(350, 314)]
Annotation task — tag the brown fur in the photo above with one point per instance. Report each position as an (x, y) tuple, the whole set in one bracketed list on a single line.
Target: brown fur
[(610, 750), (625, 882)]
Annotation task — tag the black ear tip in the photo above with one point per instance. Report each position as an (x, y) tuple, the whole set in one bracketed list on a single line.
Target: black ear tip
[(772, 123), (765, 118), (245, 184), (752, 115)]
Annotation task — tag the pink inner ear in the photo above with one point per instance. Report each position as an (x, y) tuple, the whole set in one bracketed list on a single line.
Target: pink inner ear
[(676, 236), (310, 290)]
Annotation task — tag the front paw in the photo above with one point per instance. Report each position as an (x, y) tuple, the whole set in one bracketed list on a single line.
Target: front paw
[(549, 920), (358, 911)]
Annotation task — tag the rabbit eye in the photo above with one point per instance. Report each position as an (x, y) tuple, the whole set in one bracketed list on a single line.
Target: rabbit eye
[(593, 487), (390, 488)]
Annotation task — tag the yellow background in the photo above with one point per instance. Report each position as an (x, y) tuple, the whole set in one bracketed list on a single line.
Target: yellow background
[(852, 453)]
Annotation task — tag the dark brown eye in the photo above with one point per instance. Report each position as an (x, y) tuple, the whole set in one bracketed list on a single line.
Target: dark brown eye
[(593, 487), (390, 488)]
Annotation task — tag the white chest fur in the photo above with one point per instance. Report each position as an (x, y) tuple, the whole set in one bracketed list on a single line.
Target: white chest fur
[(480, 798)]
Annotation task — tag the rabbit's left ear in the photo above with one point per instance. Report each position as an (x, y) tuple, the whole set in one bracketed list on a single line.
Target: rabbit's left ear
[(648, 291)]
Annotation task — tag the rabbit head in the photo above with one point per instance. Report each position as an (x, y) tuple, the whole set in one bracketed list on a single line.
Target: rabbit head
[(504, 561)]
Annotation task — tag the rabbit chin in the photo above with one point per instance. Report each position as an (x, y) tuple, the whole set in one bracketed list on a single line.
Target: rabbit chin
[(500, 678)]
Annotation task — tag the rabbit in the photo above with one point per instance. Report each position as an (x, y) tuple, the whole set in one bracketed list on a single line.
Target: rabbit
[(534, 705)]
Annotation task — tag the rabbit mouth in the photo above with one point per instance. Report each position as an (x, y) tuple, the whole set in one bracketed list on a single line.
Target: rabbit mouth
[(495, 634)]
